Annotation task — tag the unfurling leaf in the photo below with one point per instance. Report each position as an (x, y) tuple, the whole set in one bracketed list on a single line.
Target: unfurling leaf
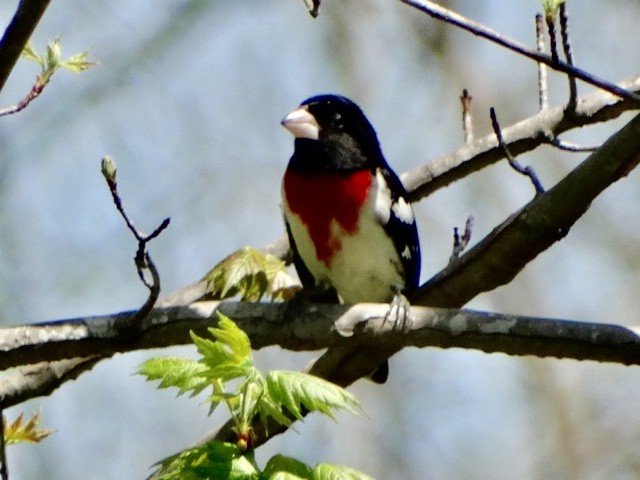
[(294, 390), (250, 273), (185, 374), (30, 54), (551, 7), (78, 63), (51, 61), (18, 431), (229, 356)]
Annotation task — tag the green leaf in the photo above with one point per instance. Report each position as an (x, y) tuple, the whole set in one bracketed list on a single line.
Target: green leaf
[(51, 61), (229, 356), (20, 431), (327, 471), (551, 7), (268, 407), (214, 460), (52, 54), (185, 374), (250, 273), (30, 54), (78, 63), (280, 467), (233, 337), (295, 389)]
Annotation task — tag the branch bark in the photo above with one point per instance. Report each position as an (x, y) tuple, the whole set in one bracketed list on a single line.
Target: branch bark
[(63, 344)]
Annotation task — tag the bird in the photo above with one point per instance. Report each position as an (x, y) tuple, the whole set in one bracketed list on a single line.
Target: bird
[(351, 228)]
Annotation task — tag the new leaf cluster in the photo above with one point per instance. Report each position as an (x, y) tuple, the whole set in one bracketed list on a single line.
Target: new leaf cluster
[(283, 396)]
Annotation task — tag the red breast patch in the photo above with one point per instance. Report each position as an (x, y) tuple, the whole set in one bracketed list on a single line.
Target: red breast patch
[(321, 198)]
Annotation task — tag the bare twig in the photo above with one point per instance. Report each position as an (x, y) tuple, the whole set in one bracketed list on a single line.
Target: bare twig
[(467, 121), (553, 39), (34, 93), (568, 55), (571, 147), (437, 11), (142, 259), (543, 85), (527, 171), (17, 34)]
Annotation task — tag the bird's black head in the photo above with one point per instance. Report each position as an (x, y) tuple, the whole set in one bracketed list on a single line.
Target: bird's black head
[(332, 133)]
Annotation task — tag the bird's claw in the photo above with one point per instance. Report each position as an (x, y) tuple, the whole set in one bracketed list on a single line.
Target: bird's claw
[(398, 312)]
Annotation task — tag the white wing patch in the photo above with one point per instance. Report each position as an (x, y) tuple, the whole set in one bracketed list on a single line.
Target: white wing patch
[(381, 198), (403, 211)]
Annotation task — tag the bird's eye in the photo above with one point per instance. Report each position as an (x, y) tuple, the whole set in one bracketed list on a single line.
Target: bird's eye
[(336, 120)]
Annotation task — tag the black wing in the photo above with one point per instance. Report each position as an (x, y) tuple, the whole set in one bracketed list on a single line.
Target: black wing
[(404, 235)]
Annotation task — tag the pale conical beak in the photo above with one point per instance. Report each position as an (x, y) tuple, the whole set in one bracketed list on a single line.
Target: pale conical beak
[(302, 124)]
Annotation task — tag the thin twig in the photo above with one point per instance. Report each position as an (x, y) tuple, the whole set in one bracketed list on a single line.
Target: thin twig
[(528, 170), (553, 40), (142, 259), (568, 55), (571, 147), (34, 93), (437, 11), (543, 86), (467, 121)]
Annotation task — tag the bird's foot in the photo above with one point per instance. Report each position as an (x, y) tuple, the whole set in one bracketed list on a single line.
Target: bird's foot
[(398, 312)]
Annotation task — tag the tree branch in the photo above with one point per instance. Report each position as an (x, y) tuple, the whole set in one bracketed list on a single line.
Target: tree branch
[(296, 328), (18, 33), (498, 258), (437, 11), (524, 136)]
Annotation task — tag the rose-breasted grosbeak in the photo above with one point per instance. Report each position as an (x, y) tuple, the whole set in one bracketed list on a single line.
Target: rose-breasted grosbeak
[(351, 229)]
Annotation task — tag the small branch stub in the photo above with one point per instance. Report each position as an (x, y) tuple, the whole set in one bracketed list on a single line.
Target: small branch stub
[(543, 87), (467, 121), (461, 242)]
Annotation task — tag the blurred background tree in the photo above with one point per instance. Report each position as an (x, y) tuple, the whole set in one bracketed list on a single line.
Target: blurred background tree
[(188, 98)]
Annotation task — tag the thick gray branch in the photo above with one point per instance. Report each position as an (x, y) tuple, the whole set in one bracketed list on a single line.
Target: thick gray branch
[(312, 327)]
